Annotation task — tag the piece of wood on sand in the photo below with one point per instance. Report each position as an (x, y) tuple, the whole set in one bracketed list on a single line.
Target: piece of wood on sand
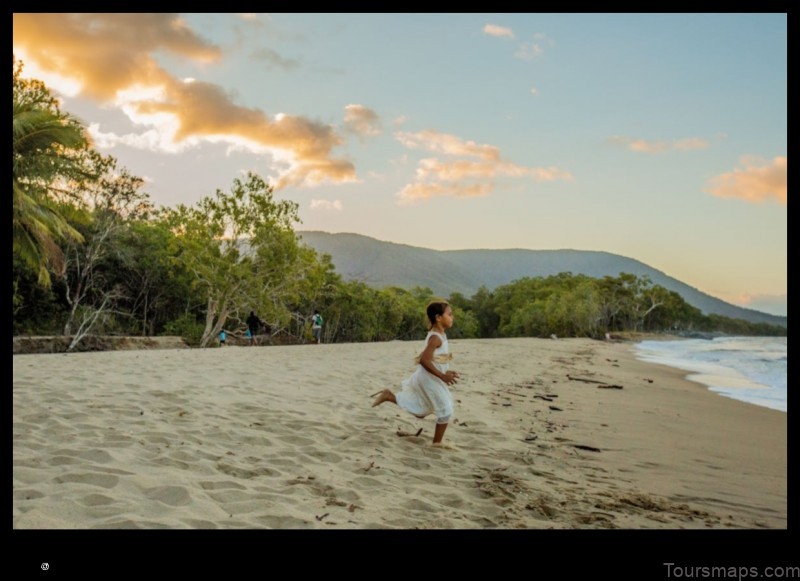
[(404, 434)]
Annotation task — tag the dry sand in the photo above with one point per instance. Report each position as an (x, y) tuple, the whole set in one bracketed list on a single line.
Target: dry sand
[(285, 437)]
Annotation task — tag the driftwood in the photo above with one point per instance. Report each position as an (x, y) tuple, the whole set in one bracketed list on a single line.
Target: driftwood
[(582, 447), (570, 377), (403, 434), (603, 384)]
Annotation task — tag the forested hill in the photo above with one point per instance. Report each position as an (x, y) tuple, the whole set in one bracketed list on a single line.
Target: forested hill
[(380, 264)]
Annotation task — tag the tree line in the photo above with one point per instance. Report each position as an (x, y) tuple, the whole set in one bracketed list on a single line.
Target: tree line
[(91, 254)]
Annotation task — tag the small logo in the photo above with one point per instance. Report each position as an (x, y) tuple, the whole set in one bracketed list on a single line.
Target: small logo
[(45, 566)]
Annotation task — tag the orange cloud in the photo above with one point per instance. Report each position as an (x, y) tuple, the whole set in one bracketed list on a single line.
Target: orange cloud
[(362, 121), (447, 144), (648, 146), (774, 304), (109, 55), (107, 52), (462, 177), (495, 30), (690, 143), (753, 183), (464, 169), (423, 191), (645, 146)]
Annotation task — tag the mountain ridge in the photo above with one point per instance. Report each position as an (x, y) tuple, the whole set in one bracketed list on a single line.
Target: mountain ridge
[(380, 264)]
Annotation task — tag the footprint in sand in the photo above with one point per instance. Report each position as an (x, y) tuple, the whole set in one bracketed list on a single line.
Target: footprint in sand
[(27, 494), (171, 495), (230, 496), (97, 500), (103, 480), (220, 485)]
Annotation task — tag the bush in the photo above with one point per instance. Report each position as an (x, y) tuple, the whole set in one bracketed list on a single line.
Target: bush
[(187, 328)]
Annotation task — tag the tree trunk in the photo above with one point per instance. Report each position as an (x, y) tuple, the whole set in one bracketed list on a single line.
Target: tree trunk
[(211, 310)]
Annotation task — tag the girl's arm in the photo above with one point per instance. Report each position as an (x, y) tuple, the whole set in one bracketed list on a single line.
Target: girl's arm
[(426, 360)]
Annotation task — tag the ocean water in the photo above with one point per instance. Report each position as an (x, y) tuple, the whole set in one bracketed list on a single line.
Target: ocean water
[(750, 369)]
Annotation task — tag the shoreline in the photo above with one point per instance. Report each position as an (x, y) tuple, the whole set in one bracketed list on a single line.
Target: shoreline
[(285, 437), (722, 377)]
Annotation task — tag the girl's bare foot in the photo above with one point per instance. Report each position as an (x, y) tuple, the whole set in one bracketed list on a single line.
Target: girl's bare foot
[(386, 395), (444, 445)]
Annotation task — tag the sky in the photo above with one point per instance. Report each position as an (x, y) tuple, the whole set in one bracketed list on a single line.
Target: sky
[(659, 137)]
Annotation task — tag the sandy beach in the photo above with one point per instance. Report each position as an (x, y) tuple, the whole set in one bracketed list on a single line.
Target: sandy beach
[(548, 434)]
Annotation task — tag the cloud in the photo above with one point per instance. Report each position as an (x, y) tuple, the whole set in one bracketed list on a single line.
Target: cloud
[(326, 205), (529, 50), (401, 120), (495, 30), (526, 50), (753, 183), (400, 161), (465, 169), (111, 57), (446, 144), (534, 91), (690, 144), (272, 58), (645, 146), (471, 175), (422, 191), (361, 121), (772, 304)]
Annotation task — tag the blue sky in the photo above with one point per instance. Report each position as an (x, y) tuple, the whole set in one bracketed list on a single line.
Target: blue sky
[(661, 137)]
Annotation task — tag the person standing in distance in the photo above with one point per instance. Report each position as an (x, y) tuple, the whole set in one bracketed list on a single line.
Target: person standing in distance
[(253, 323), (316, 326)]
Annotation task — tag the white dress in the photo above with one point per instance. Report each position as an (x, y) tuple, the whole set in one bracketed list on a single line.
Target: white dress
[(423, 393)]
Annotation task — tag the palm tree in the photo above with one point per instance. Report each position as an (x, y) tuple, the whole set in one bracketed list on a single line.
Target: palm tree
[(44, 146)]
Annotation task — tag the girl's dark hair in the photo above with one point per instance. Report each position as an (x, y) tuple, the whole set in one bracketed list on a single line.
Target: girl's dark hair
[(436, 308)]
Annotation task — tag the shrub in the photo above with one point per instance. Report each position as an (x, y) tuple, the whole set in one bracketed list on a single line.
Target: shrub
[(187, 328)]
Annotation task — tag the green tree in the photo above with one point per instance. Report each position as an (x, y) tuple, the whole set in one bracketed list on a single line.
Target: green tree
[(354, 316), (242, 252), (47, 146), (157, 289), (488, 319), (93, 288)]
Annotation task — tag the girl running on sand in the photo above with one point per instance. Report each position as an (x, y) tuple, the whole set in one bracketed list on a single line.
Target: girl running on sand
[(426, 392)]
